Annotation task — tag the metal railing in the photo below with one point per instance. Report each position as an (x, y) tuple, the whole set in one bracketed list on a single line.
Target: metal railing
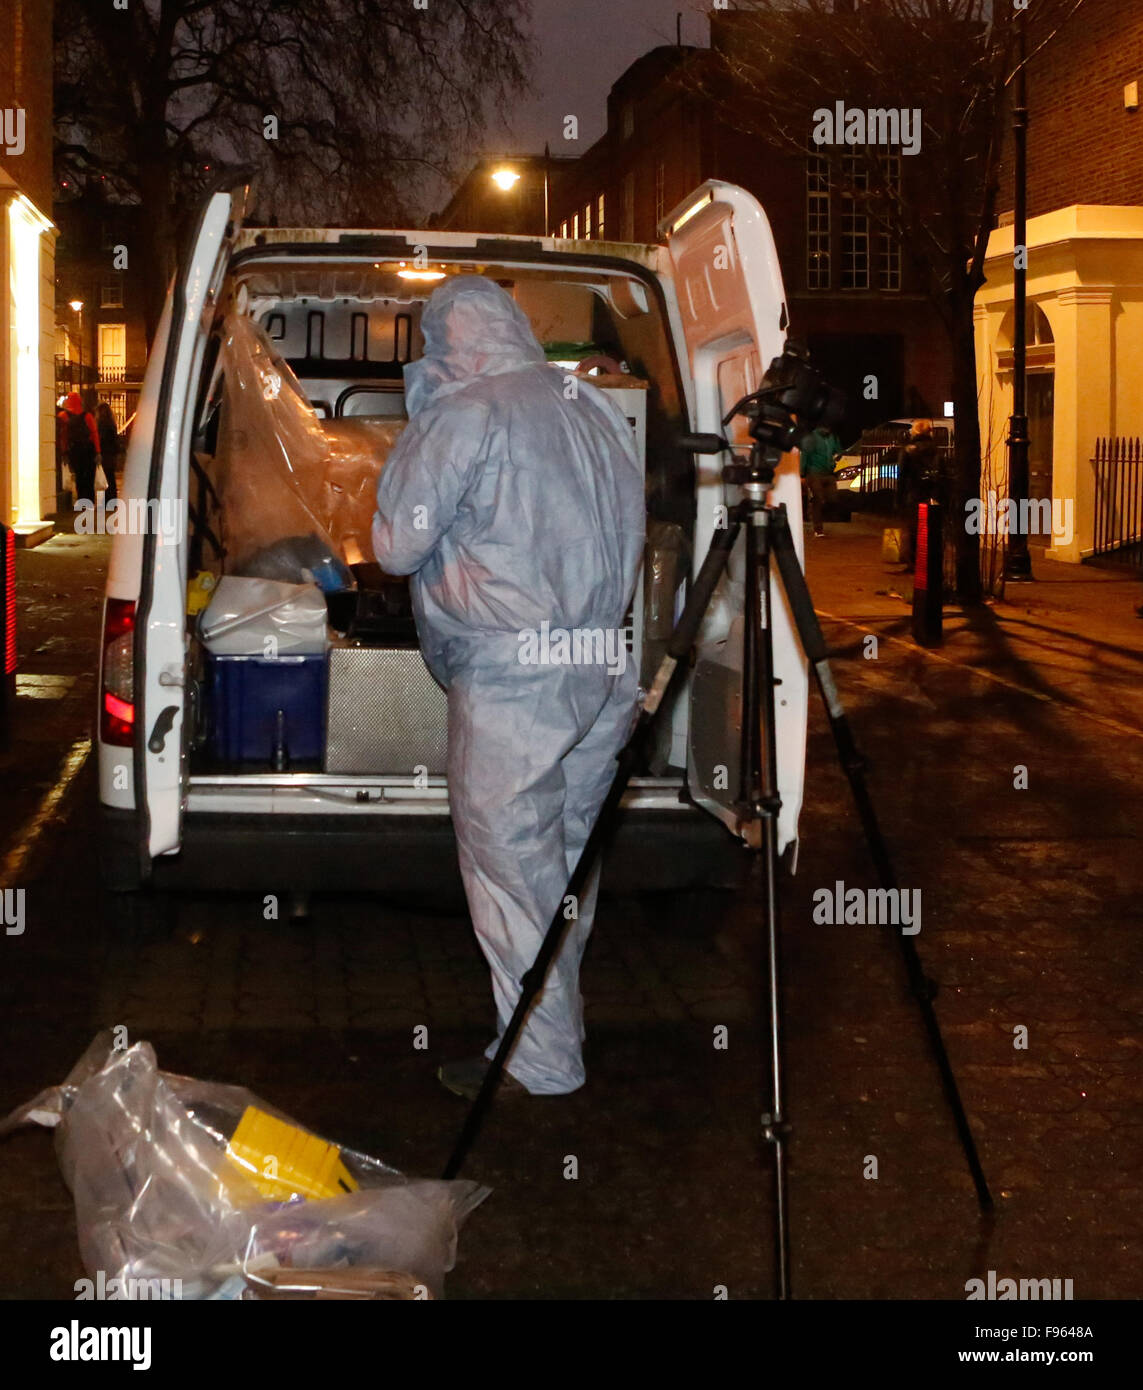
[(1118, 530)]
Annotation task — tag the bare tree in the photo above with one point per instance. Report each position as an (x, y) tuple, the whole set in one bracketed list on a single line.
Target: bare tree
[(782, 64), (347, 108)]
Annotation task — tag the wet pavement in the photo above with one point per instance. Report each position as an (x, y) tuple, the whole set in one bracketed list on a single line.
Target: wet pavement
[(1031, 920)]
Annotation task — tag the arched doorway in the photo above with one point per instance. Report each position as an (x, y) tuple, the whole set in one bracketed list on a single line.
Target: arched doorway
[(1041, 364)]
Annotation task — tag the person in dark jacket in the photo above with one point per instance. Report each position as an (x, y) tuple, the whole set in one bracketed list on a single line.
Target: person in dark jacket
[(820, 451), (80, 441), (108, 447)]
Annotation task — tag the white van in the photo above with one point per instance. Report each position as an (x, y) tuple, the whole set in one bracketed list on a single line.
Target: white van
[(682, 331)]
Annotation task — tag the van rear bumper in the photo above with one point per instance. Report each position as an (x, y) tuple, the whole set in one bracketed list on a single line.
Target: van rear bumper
[(410, 857)]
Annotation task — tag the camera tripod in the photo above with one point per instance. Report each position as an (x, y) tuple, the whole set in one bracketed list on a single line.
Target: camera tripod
[(791, 392)]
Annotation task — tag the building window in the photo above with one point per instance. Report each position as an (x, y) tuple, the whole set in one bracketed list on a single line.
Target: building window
[(854, 224), (563, 229), (111, 292), (587, 221), (628, 119), (817, 223), (599, 217), (112, 351), (575, 226), (660, 191), (888, 246), (629, 207)]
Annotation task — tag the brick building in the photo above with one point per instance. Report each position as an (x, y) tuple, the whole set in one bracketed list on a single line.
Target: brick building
[(510, 195), (1085, 268), (852, 296), (101, 347), (27, 269)]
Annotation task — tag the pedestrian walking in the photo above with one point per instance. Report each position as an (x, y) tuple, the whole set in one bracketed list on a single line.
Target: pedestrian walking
[(820, 452), (109, 447), (81, 446)]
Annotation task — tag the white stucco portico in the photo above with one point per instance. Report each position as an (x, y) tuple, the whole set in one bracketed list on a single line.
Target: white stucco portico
[(1085, 276)]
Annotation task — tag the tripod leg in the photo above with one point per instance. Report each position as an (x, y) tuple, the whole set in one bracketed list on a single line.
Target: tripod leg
[(759, 799), (814, 646)]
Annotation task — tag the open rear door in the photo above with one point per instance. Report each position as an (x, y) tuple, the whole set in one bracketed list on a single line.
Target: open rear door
[(732, 306), (160, 630)]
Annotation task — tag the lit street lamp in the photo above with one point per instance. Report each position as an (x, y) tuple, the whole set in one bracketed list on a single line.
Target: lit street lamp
[(506, 178), (76, 305)]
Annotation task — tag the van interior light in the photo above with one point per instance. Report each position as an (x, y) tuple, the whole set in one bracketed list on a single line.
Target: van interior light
[(421, 274), (692, 211)]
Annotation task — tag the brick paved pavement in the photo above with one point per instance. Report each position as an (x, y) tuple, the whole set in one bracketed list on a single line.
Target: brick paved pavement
[(1031, 916)]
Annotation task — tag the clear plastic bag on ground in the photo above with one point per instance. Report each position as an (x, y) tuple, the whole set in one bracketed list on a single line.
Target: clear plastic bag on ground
[(165, 1190)]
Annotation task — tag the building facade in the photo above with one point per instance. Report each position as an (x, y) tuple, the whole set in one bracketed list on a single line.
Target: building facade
[(853, 299), (27, 269), (512, 195), (1085, 277), (101, 345)]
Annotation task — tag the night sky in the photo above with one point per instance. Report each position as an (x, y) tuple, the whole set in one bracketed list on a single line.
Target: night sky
[(584, 45)]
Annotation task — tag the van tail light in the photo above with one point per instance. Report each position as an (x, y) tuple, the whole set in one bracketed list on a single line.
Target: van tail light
[(117, 684)]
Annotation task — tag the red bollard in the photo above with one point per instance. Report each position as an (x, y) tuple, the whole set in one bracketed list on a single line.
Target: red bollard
[(928, 577)]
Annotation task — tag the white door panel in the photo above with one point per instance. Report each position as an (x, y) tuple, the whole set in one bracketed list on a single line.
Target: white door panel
[(162, 617), (732, 306)]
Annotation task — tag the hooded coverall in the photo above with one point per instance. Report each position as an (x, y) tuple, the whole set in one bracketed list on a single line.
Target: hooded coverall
[(513, 507)]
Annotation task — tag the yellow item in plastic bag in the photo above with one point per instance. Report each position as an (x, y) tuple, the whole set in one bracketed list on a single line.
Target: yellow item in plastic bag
[(282, 1160), (199, 591)]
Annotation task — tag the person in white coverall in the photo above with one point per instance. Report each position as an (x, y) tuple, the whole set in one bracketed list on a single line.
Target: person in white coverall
[(515, 501)]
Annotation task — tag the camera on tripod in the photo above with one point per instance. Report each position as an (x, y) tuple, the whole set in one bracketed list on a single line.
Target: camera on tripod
[(793, 399)]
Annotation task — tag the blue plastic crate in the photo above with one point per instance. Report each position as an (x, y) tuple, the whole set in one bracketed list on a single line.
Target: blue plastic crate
[(247, 694)]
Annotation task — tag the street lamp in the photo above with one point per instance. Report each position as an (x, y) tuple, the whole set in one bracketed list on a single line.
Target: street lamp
[(506, 178), (1018, 563), (76, 305)]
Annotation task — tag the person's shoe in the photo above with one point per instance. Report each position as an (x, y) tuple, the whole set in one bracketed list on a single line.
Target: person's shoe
[(466, 1078)]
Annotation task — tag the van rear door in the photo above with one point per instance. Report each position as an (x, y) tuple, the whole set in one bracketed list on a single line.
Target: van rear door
[(160, 625), (732, 306)]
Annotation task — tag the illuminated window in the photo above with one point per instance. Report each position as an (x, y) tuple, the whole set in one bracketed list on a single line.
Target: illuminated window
[(660, 191), (575, 225), (817, 223), (112, 351), (599, 216), (587, 221), (563, 229)]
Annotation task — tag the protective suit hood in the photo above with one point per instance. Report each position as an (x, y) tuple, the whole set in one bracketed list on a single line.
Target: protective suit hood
[(472, 329)]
